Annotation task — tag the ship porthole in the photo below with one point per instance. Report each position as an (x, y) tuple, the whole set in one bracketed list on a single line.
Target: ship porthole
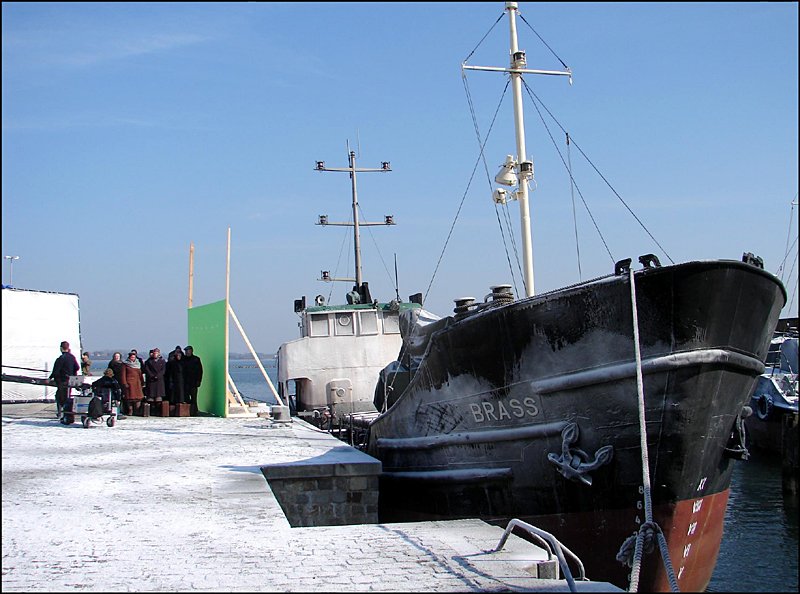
[(763, 407)]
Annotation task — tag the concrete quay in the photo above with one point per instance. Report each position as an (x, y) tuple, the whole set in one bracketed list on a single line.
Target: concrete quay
[(179, 504)]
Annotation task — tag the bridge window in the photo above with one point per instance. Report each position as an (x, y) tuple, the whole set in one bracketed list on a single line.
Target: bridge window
[(391, 323), (369, 322), (319, 325)]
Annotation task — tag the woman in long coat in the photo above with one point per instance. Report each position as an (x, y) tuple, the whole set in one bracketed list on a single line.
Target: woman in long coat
[(175, 386), (154, 369), (132, 380), (116, 365)]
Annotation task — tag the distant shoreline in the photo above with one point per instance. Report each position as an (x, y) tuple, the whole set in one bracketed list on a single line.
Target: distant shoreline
[(107, 355)]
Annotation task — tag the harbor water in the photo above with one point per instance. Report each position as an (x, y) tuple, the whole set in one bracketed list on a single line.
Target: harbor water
[(759, 551)]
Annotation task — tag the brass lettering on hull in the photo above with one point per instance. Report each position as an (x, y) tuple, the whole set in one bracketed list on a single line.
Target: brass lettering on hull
[(514, 408)]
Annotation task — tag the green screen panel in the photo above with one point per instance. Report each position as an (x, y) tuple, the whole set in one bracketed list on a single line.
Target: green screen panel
[(207, 334)]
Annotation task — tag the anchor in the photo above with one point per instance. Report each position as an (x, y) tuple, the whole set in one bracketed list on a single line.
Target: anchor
[(573, 463)]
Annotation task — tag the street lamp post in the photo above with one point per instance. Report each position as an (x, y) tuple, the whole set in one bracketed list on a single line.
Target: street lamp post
[(11, 272)]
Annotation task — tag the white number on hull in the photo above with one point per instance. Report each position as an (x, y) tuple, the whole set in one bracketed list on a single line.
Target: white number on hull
[(696, 506)]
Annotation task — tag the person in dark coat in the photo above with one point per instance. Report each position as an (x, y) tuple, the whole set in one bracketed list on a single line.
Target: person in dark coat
[(105, 389), (192, 377), (108, 385), (154, 369), (116, 366), (65, 366), (132, 379), (171, 356), (176, 387)]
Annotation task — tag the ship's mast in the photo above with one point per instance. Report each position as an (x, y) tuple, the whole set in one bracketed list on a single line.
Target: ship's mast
[(356, 224), (518, 61), (522, 166)]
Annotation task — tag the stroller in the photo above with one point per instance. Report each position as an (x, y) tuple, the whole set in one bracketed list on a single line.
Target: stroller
[(93, 406)]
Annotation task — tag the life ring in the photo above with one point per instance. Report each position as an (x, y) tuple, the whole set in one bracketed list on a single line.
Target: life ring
[(763, 406)]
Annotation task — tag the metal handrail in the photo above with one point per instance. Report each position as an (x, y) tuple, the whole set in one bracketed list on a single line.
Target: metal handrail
[(554, 544)]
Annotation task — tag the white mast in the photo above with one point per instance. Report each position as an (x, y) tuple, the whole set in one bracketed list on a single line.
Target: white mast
[(356, 224), (356, 236), (523, 167), (518, 61)]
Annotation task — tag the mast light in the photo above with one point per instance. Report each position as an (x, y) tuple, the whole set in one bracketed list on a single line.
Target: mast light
[(526, 169), (506, 176)]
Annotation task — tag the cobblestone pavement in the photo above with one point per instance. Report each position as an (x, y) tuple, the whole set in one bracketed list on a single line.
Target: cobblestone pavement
[(177, 504)]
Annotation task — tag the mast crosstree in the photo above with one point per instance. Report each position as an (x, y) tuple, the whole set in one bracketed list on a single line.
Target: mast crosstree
[(356, 224)]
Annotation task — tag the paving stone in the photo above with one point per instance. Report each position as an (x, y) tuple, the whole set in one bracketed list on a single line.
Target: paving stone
[(180, 504)]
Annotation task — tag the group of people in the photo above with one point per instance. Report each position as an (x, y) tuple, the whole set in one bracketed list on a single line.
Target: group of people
[(175, 380)]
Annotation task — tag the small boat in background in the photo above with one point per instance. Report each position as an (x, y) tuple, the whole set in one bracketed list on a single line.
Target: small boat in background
[(330, 372), (776, 393)]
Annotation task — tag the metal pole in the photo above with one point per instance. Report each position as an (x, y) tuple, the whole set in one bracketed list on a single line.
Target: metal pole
[(356, 237), (227, 330), (11, 269), (519, 124)]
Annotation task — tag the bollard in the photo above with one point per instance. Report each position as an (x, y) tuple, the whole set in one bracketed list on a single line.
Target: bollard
[(280, 414)]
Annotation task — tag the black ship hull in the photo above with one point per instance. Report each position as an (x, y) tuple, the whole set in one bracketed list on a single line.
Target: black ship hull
[(529, 410)]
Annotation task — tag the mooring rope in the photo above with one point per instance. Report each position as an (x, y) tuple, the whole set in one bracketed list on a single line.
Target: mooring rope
[(649, 528)]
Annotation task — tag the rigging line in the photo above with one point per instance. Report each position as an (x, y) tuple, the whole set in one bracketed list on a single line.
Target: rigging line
[(482, 146), (377, 249), (786, 255), (543, 41), (789, 232), (574, 215), (450, 233), (625, 204), (507, 218), (452, 227), (338, 260), (546, 127), (788, 278), (484, 37)]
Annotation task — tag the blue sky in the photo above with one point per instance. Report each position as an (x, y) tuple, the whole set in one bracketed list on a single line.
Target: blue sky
[(133, 130)]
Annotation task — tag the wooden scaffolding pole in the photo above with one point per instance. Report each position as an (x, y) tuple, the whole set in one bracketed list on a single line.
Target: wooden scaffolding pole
[(255, 355), (191, 273)]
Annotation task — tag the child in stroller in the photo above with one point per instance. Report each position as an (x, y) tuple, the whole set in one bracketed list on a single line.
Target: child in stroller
[(107, 395)]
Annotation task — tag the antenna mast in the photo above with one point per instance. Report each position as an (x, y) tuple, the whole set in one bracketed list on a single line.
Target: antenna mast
[(523, 168), (356, 224)]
